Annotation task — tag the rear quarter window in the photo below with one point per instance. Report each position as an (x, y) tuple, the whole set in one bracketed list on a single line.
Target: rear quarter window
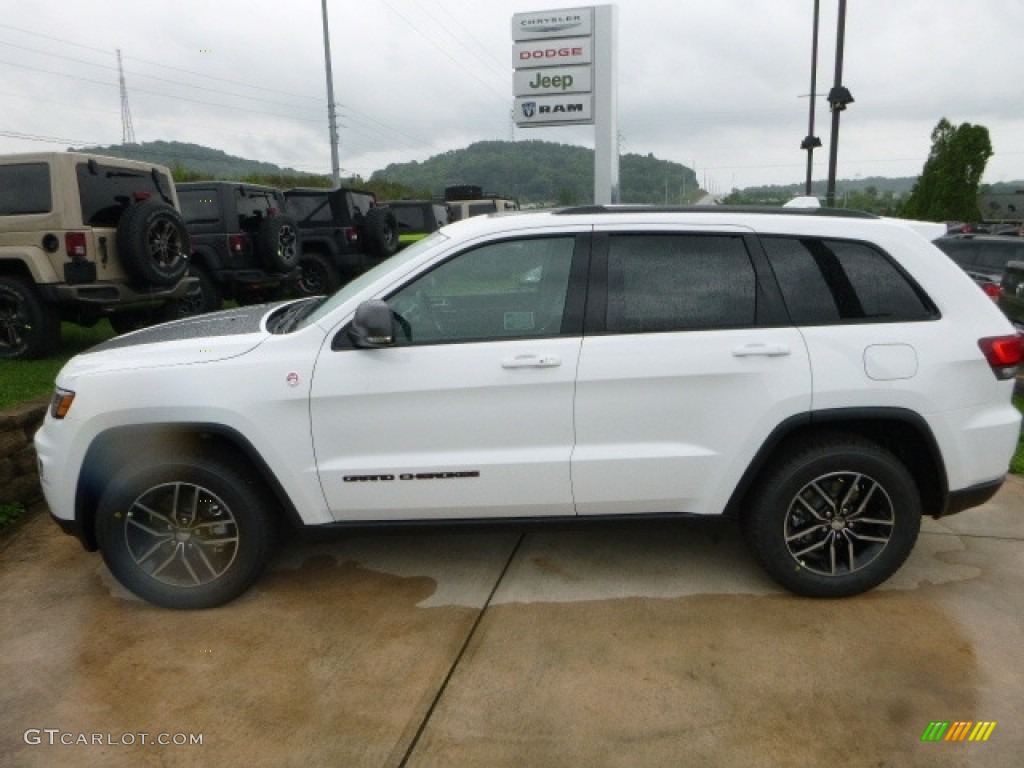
[(25, 188), (827, 282)]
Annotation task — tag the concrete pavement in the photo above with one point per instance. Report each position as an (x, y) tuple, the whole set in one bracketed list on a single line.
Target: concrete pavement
[(630, 645)]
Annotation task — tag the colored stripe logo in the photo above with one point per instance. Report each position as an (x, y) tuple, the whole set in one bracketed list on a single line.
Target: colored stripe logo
[(958, 730)]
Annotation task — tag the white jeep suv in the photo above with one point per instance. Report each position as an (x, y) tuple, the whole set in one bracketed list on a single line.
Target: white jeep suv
[(824, 377)]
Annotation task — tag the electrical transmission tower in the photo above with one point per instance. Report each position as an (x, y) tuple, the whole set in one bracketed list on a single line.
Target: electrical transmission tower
[(127, 131)]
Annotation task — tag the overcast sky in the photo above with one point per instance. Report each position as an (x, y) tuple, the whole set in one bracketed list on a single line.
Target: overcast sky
[(718, 85)]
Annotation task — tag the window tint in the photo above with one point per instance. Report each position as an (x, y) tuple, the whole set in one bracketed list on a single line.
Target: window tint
[(315, 209), (25, 188), (511, 289), (409, 217), (359, 204), (199, 205), (679, 282), (832, 281), (106, 192)]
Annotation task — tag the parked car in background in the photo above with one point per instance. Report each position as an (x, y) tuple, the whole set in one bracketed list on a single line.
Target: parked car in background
[(823, 377), (983, 257), (244, 245), (417, 218), (465, 200), (1011, 293), (85, 237), (344, 232)]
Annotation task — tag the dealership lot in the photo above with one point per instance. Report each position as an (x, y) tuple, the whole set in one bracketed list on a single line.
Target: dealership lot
[(651, 644)]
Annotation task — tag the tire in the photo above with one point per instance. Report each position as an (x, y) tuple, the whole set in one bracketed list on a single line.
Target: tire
[(185, 533), (153, 244), (835, 516), (29, 327), (277, 243), (208, 300), (381, 234), (319, 277)]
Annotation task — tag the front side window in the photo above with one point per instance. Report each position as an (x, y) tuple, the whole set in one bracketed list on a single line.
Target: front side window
[(826, 282), (511, 289), (25, 188), (668, 282)]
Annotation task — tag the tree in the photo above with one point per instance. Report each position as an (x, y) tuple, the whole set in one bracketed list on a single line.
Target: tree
[(947, 189)]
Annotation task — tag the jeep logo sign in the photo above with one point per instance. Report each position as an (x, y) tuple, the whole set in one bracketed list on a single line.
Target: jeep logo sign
[(552, 53), (537, 82)]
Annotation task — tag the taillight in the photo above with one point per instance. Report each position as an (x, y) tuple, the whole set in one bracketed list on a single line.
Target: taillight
[(351, 235), (1003, 353), (75, 244), (140, 196), (236, 243), (991, 290)]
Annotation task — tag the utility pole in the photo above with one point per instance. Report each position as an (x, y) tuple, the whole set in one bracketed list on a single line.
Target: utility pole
[(332, 116)]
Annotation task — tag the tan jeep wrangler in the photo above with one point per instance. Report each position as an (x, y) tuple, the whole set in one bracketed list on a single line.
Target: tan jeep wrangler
[(83, 237)]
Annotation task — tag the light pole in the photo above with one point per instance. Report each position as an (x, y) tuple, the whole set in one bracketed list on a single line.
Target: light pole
[(332, 116), (838, 98), (811, 142)]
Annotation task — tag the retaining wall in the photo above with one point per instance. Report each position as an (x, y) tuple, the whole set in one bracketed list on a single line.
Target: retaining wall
[(19, 472)]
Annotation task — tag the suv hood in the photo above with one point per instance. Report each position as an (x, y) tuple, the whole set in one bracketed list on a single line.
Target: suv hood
[(201, 339)]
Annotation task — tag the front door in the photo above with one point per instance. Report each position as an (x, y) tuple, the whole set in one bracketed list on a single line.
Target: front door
[(470, 413)]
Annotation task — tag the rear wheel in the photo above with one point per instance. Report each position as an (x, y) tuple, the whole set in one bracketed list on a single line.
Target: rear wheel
[(185, 533), (835, 516), (319, 277), (29, 327)]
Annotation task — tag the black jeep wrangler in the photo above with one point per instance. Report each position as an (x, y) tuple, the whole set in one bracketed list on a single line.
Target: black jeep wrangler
[(244, 246), (344, 232)]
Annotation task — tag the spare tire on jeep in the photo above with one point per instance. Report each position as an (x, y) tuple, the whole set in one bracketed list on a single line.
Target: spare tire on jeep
[(381, 235), (277, 243), (152, 243)]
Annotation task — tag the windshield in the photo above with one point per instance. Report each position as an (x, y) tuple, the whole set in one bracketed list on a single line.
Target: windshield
[(349, 290)]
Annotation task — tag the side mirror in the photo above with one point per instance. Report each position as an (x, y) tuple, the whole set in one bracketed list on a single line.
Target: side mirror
[(373, 325)]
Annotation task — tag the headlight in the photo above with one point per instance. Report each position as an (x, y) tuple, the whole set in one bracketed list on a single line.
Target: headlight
[(61, 403)]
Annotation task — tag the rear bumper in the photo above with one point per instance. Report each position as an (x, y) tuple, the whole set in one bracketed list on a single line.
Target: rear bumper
[(975, 496), (116, 294)]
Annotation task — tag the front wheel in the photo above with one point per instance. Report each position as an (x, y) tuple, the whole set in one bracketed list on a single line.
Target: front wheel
[(835, 516), (317, 276), (29, 327), (185, 533)]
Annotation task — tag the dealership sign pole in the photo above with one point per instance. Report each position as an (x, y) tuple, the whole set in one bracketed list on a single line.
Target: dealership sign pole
[(565, 74)]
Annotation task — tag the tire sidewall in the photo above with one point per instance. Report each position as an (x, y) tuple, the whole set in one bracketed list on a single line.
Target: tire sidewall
[(764, 521), (229, 485), (133, 233), (326, 274)]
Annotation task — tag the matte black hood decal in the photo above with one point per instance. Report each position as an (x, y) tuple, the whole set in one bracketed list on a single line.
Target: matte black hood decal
[(230, 322)]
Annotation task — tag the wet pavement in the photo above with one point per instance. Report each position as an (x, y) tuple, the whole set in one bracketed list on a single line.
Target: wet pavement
[(639, 645)]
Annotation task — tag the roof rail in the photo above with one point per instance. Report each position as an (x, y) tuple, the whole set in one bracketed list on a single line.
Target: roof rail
[(714, 209)]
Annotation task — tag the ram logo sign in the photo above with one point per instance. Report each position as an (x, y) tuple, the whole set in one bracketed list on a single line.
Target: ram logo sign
[(555, 110)]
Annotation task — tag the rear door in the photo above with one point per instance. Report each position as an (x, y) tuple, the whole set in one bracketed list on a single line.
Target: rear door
[(688, 363)]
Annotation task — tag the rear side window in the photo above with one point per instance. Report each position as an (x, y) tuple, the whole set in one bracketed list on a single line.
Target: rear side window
[(25, 188), (409, 217), (105, 191), (199, 206), (311, 209), (826, 282), (679, 282)]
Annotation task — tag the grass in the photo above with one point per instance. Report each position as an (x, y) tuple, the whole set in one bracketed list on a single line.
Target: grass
[(22, 380), (1017, 462), (9, 514)]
